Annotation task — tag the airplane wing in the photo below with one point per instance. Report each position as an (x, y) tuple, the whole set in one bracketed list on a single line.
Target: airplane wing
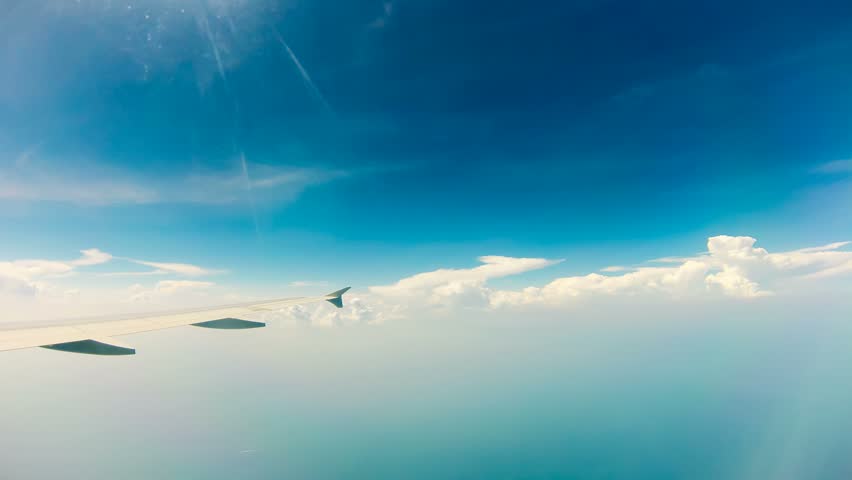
[(96, 337)]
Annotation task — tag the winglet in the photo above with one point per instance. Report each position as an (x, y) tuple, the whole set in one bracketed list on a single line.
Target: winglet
[(336, 298)]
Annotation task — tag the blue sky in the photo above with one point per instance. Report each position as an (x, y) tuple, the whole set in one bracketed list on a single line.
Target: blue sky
[(420, 134)]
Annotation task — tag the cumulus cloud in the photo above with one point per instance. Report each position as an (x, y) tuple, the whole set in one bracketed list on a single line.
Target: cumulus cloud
[(732, 267), (443, 289), (358, 311)]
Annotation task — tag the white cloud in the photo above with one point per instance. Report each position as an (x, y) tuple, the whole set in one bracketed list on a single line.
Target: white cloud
[(733, 282), (839, 269), (185, 269), (733, 267), (451, 281), (675, 281), (92, 256), (449, 289), (28, 276), (824, 248)]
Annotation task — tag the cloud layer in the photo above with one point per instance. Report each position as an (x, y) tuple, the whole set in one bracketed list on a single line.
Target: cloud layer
[(733, 269)]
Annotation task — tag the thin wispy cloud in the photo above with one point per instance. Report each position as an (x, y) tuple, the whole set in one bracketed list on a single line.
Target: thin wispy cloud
[(91, 256), (668, 260), (308, 283), (205, 25), (824, 248), (146, 273), (835, 167), (40, 182), (315, 91), (31, 276), (382, 20), (49, 187), (185, 269)]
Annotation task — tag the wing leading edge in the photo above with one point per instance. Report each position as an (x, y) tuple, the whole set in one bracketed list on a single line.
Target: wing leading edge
[(96, 337)]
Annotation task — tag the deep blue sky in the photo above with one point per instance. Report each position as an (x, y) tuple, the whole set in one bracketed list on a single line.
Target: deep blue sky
[(558, 129)]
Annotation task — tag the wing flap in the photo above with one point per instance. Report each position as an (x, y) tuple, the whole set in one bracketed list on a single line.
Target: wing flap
[(94, 346), (229, 324)]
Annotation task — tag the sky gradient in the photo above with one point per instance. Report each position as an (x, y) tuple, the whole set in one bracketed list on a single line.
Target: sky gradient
[(590, 239)]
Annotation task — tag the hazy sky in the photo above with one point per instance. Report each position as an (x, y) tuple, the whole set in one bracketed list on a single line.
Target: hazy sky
[(552, 215)]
